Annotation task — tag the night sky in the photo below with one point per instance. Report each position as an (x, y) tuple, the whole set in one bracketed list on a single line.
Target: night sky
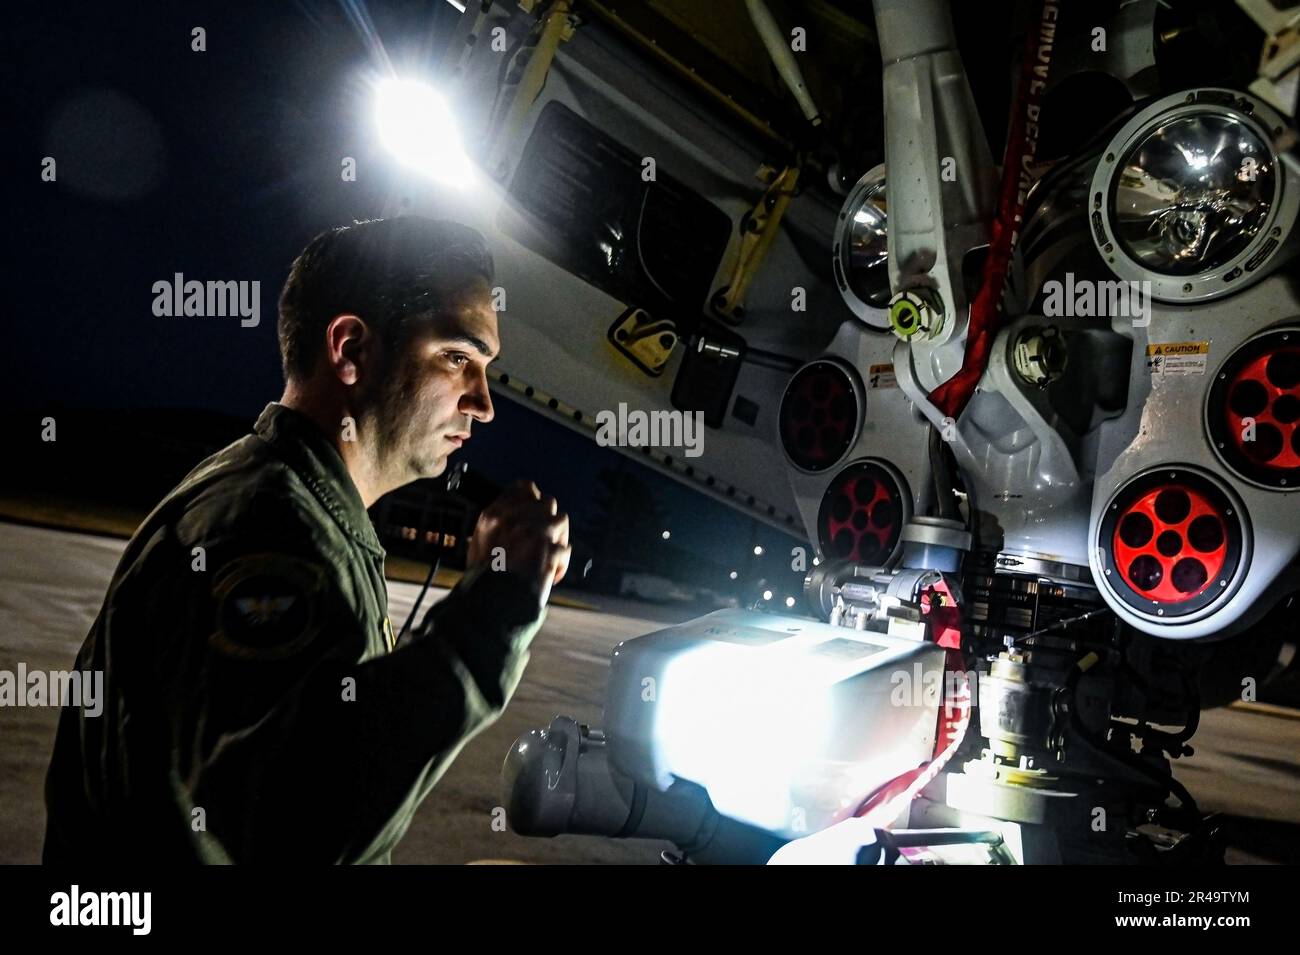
[(221, 165)]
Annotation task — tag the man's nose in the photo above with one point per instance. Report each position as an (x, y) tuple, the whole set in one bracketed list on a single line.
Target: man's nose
[(477, 401)]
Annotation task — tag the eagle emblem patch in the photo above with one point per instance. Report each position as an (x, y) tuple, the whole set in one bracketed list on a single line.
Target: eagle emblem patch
[(267, 606)]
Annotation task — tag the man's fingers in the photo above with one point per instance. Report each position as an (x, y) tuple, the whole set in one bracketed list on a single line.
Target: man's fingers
[(561, 563), (557, 530), (522, 517), (525, 489)]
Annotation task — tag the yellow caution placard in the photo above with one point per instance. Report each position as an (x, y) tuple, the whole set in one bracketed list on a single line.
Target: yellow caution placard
[(1178, 358)]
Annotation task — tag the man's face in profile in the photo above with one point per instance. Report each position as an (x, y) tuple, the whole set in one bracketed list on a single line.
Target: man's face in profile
[(437, 386)]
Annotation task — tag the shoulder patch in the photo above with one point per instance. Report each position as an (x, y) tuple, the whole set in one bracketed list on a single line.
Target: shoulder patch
[(268, 606)]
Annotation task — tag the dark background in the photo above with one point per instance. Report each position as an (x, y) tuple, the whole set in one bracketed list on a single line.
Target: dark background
[(221, 165)]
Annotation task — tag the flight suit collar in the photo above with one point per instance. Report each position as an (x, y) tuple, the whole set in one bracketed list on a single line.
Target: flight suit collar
[(318, 463)]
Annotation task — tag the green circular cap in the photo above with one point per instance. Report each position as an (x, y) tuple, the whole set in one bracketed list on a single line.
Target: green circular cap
[(905, 317)]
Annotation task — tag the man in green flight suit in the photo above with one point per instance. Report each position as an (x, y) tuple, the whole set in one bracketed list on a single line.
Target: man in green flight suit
[(257, 708)]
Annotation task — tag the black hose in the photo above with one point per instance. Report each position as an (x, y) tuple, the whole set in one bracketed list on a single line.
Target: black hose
[(941, 474), (1129, 759), (433, 569), (453, 482)]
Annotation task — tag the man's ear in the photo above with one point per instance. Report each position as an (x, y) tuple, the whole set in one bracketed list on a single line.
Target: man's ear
[(347, 347)]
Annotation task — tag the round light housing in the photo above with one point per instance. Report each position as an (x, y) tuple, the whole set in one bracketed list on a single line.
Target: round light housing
[(860, 255), (862, 514), (1252, 409), (1193, 194), (819, 416), (1189, 196), (1172, 543)]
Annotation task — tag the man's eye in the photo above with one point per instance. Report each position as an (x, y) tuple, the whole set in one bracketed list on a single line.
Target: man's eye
[(457, 359)]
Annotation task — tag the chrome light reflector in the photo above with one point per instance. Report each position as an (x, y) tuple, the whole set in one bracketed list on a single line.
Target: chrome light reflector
[(861, 250), (1189, 196)]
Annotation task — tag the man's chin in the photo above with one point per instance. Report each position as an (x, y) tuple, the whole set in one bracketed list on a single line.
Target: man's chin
[(429, 467)]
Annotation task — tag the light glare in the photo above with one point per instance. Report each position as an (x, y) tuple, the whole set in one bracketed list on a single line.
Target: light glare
[(745, 726), (417, 126)]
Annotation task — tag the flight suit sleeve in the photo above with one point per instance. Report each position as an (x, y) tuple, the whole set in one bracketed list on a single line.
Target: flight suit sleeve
[(346, 750)]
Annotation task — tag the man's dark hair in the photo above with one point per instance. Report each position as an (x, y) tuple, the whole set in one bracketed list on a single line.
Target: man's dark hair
[(386, 271)]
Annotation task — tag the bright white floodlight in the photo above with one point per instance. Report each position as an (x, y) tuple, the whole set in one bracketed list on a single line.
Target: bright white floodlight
[(417, 126)]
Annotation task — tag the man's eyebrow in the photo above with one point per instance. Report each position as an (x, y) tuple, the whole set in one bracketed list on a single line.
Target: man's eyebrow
[(473, 341)]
